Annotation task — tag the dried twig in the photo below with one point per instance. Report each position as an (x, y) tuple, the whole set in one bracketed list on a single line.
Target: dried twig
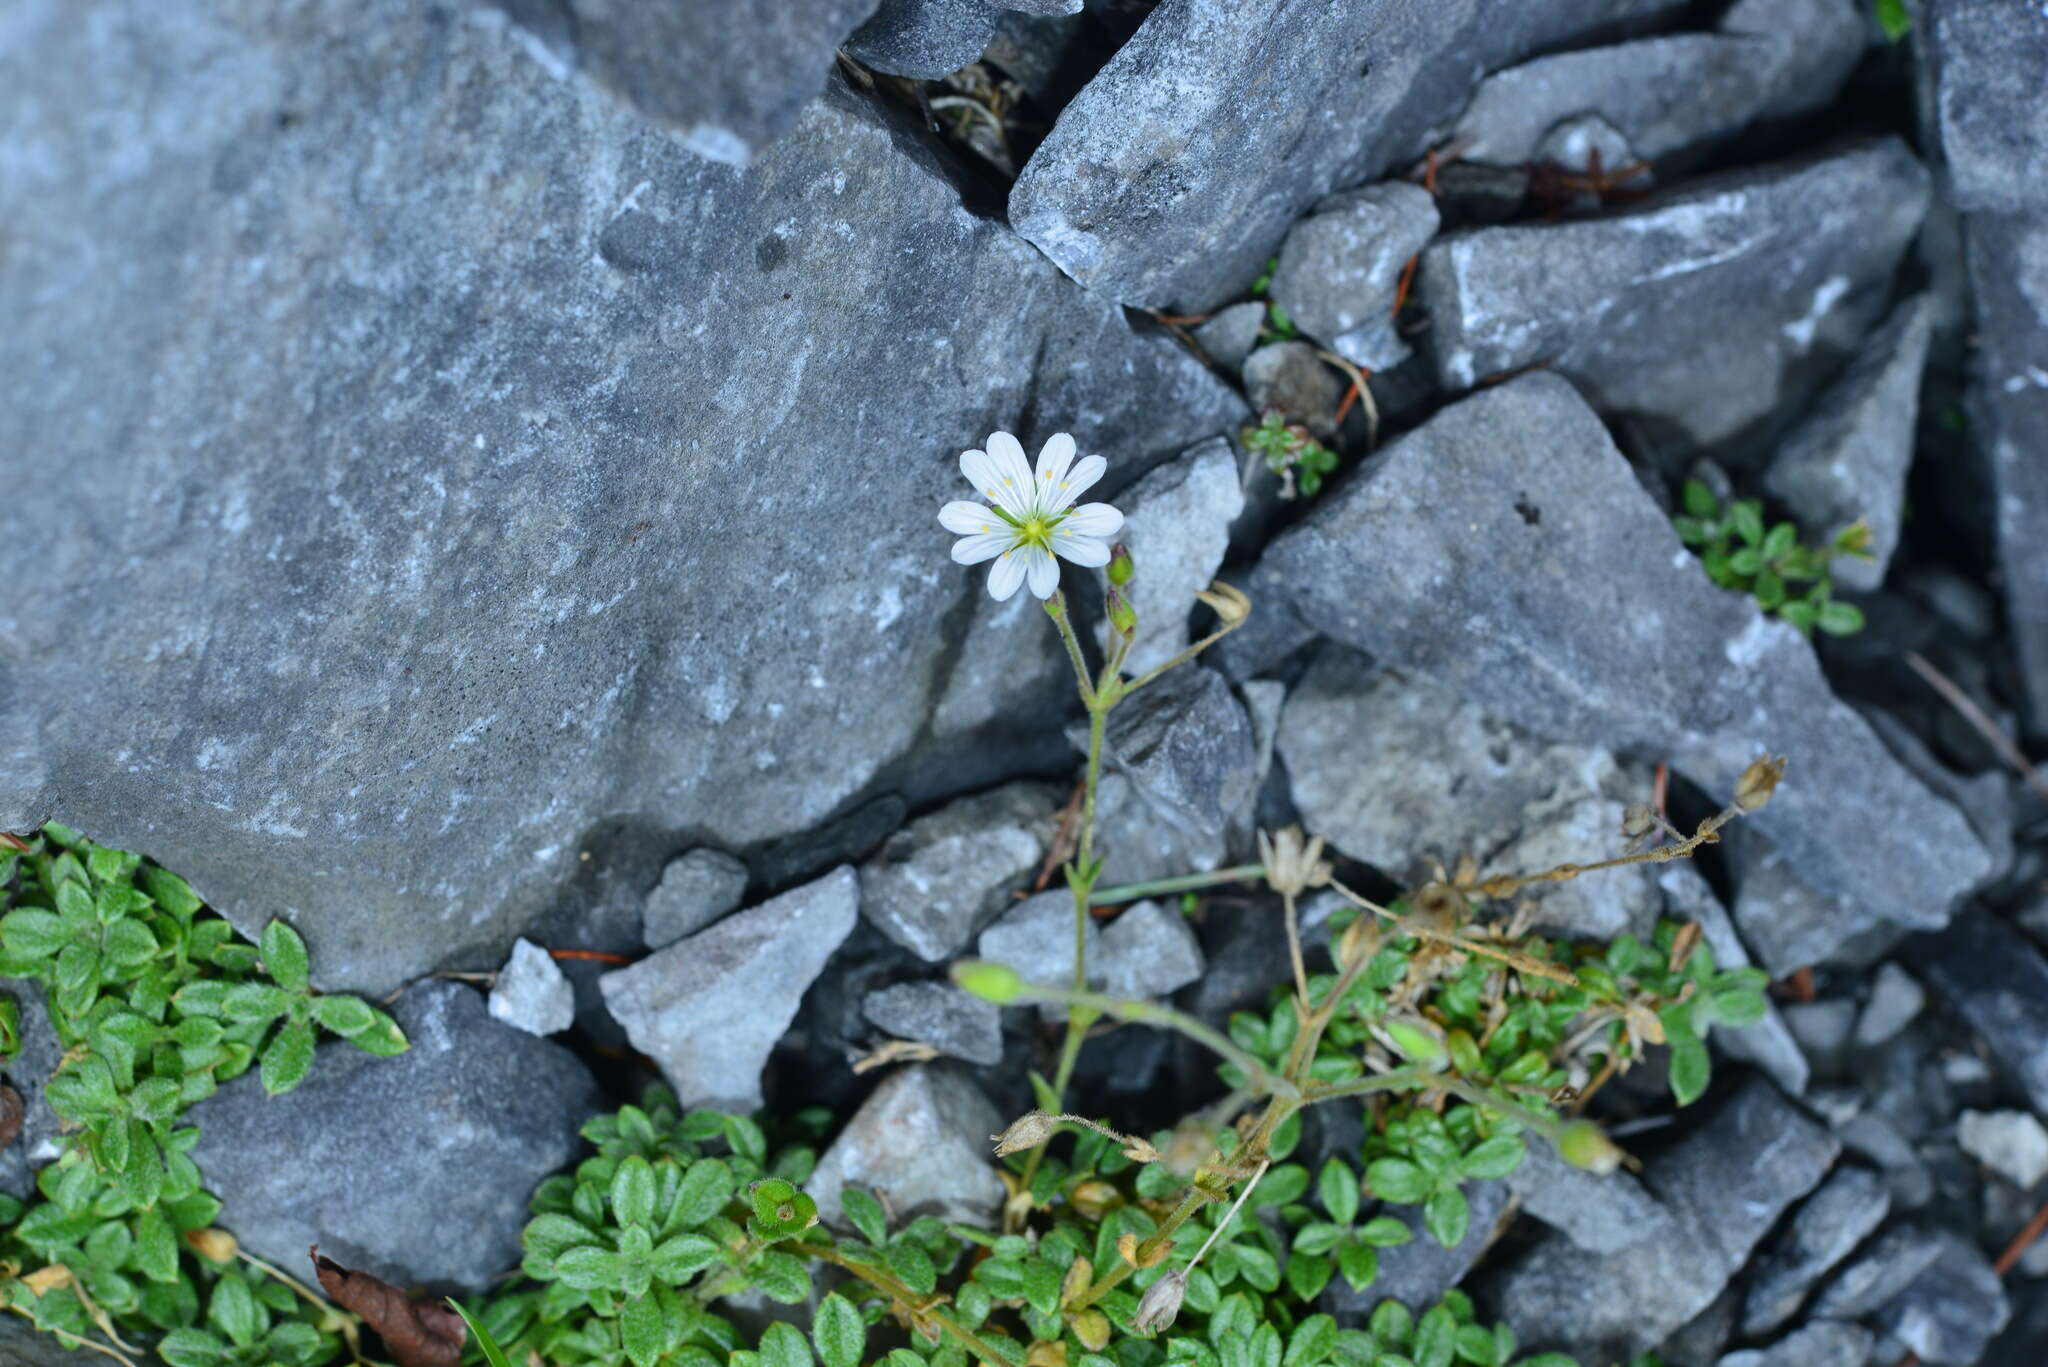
[(1974, 715), (1057, 851)]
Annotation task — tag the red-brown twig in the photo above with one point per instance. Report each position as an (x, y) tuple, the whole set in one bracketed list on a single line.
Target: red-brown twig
[(12, 840), (1974, 715), (1407, 279), (594, 955), (1660, 790), (1056, 851)]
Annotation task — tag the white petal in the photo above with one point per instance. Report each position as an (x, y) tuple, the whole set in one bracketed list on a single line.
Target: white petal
[(1043, 571), (1054, 458), (1078, 481), (1005, 576), (966, 519), (1093, 519), (1014, 470), (972, 550), (1082, 550), (985, 473)]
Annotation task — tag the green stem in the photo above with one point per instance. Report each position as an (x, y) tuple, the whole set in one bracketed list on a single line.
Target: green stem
[(1258, 1077), (910, 1300), (1184, 882), (1110, 1280), (1056, 608), (1382, 1082)]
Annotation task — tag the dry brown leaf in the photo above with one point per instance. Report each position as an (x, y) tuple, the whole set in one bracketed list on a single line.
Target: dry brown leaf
[(418, 1333), (11, 1113)]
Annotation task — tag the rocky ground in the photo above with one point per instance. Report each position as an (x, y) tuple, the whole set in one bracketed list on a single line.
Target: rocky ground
[(472, 471)]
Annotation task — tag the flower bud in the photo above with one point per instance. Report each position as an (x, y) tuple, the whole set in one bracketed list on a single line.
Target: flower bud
[(214, 1245), (1121, 566), (1123, 618), (1585, 1145), (992, 982), (1418, 1043), (1754, 788), (1160, 1304), (1027, 1131)]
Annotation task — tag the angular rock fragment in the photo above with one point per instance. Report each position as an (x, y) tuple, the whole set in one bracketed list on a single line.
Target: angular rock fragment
[(941, 1015), (415, 1168), (1846, 461), (1895, 999), (1339, 269), (921, 1143), (1953, 1309), (1186, 745), (1724, 1186), (1997, 982), (1652, 310), (1147, 951), (1177, 524), (1418, 1272), (728, 78), (1598, 1214), (694, 891), (2012, 1144), (1823, 1343), (37, 1142), (1231, 333), (1887, 1266), (939, 880), (709, 1009), (1036, 937), (1174, 174), (924, 39), (1824, 1230), (532, 993), (1608, 634), (1288, 378), (442, 610)]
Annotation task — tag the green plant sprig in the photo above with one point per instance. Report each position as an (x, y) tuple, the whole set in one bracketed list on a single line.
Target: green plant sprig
[(1738, 553)]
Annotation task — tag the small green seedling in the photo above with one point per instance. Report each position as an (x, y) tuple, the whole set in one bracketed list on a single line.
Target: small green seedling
[(1291, 453), (1738, 553)]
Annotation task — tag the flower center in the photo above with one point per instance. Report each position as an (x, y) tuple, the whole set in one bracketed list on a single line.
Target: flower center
[(1036, 530)]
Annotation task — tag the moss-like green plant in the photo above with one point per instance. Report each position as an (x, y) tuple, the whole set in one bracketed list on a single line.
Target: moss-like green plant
[(1738, 553), (1290, 452)]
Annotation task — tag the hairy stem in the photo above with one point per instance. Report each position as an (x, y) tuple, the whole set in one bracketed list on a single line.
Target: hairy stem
[(1186, 882), (1258, 1077), (916, 1305)]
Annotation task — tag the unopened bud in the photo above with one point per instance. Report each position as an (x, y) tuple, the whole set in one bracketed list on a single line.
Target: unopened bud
[(1753, 790), (1028, 1131), (1230, 605), (1123, 618), (1418, 1043), (1585, 1145), (1160, 1304), (44, 1280), (1121, 566), (1361, 940), (214, 1245), (1092, 1200), (992, 982)]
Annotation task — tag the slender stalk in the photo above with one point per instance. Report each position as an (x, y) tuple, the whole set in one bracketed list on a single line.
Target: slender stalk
[(1056, 608), (1258, 1077), (1186, 882), (1294, 949), (1110, 1280), (903, 1295)]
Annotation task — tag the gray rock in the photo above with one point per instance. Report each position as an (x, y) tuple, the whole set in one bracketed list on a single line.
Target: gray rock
[(1036, 937), (1824, 1343), (22, 1345), (1652, 310), (729, 79), (1998, 982), (1148, 951), (39, 1138), (1766, 1043), (1699, 1341), (415, 1168), (2010, 1143), (1398, 772), (1011, 675), (1186, 745), (531, 993), (941, 1015), (1585, 142), (709, 1009), (924, 39), (1290, 379), (938, 881), (406, 695), (1847, 459), (1824, 1230), (1674, 93), (1724, 1185), (1403, 560), (694, 891), (1138, 841), (1884, 1269), (1953, 1309), (1418, 1272), (1981, 60), (1174, 174), (1823, 1030), (1895, 999), (921, 1143), (1786, 922), (1177, 524), (1339, 268), (1598, 1214), (1231, 333)]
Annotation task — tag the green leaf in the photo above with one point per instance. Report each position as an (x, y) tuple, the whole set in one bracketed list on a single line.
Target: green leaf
[(1392, 1323), (383, 1039), (746, 1140), (866, 1214), (1840, 619), (1308, 1274), (1493, 1158), (1358, 1263), (1436, 1337), (1769, 589), (675, 1259), (913, 1267), (1476, 1345), (493, 1354), (1397, 1179), (345, 1016), (1447, 1216), (287, 1058), (1257, 1266), (632, 1192), (1319, 1237), (643, 1331), (588, 1268), (548, 1236), (1690, 1070), (170, 892), (782, 1277), (1266, 1346), (705, 1189), (1746, 517), (233, 1310), (1779, 540), (1746, 561), (192, 1348), (33, 933), (1042, 1285), (1337, 1189), (1311, 1342), (1384, 1231), (1894, 19), (839, 1333), (284, 954), (1699, 500), (783, 1346), (254, 1002)]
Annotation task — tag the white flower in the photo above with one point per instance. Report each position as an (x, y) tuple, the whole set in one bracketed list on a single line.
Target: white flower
[(1033, 517)]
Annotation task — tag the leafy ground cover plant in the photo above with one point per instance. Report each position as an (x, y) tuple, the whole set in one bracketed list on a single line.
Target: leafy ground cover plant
[(155, 1002), (1291, 453), (1771, 566)]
